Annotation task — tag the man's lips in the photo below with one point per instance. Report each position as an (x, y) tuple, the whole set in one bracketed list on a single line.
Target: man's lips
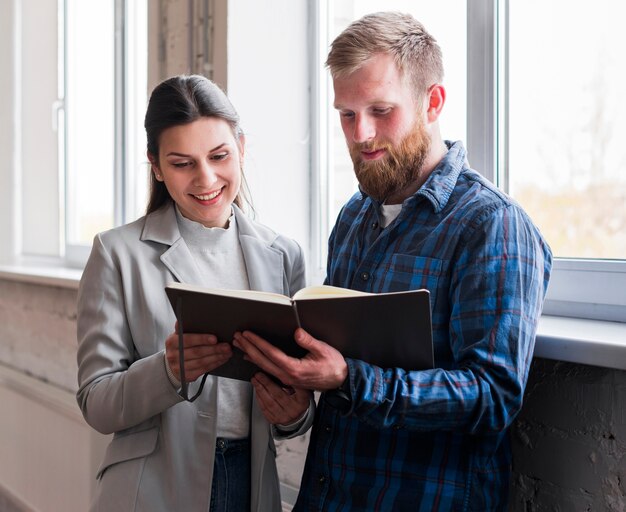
[(372, 155)]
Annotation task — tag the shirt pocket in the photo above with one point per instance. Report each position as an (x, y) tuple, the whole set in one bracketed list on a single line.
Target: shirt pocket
[(407, 272)]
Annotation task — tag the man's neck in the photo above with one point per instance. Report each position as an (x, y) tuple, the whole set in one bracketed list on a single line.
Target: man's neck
[(437, 152)]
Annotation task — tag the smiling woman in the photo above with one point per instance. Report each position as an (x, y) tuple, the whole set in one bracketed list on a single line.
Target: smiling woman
[(201, 165), (133, 371)]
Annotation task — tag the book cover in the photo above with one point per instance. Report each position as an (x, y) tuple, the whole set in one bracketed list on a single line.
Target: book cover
[(385, 329)]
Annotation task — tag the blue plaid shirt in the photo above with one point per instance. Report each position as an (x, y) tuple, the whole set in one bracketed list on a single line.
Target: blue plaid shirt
[(437, 439)]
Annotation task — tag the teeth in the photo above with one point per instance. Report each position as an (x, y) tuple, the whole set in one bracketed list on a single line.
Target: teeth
[(208, 197)]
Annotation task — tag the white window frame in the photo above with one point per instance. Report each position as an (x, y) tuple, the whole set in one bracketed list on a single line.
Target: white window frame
[(580, 288), (127, 85)]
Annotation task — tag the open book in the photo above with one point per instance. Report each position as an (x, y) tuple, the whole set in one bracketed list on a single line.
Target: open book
[(384, 329)]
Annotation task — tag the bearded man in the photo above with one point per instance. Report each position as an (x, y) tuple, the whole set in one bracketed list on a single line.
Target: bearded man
[(396, 439)]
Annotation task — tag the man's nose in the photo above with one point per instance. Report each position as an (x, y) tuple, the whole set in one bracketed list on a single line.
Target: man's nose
[(364, 128)]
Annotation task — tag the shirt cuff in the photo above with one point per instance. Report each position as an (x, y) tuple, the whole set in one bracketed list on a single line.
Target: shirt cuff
[(170, 375), (294, 425)]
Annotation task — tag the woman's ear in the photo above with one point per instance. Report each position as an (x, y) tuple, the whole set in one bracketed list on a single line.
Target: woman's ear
[(242, 147), (154, 168)]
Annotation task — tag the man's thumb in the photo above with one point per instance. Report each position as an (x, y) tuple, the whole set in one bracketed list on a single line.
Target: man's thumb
[(304, 339)]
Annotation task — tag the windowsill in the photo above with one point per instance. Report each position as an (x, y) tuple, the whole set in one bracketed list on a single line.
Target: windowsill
[(63, 277), (575, 340)]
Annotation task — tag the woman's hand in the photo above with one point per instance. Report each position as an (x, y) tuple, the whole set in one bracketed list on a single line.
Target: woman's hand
[(280, 405), (202, 354)]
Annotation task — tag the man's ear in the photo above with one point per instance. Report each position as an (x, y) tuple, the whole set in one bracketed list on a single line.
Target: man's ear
[(436, 97)]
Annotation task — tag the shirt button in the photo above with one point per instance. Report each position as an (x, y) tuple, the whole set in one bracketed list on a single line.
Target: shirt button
[(365, 276)]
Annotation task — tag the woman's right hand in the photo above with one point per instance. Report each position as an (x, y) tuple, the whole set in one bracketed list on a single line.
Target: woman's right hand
[(202, 352)]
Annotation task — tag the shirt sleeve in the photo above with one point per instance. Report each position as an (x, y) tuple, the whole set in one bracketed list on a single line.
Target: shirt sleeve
[(497, 285)]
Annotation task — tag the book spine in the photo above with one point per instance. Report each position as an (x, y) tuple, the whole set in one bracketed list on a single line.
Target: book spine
[(294, 305)]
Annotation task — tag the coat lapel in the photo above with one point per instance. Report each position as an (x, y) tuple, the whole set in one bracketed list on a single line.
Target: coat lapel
[(161, 227), (264, 263)]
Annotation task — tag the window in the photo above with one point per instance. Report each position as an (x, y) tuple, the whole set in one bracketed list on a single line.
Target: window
[(103, 63), (567, 124), (81, 81), (563, 158), (446, 20), (540, 95), (89, 119)]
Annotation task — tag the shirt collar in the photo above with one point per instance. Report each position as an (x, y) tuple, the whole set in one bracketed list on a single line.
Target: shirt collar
[(441, 182)]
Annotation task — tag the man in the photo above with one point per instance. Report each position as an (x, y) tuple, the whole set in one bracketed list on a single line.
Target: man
[(392, 438)]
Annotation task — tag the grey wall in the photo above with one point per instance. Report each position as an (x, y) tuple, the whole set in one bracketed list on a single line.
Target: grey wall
[(569, 440)]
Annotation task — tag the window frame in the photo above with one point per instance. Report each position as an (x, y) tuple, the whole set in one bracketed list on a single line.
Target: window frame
[(579, 288), (125, 91)]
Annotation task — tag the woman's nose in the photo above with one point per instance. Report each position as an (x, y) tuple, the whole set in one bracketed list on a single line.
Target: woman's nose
[(205, 174)]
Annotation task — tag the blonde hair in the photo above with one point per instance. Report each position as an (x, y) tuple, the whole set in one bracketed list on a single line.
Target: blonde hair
[(415, 51)]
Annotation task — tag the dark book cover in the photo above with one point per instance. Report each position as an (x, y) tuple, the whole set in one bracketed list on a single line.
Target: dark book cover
[(387, 329)]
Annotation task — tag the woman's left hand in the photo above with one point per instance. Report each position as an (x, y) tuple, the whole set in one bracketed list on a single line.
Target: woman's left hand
[(280, 405)]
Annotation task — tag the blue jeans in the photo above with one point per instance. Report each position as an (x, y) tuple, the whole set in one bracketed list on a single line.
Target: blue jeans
[(230, 491)]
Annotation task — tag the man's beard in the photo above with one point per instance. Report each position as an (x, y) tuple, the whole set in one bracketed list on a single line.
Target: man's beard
[(397, 169)]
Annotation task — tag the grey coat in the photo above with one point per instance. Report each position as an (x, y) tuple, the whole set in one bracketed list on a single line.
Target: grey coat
[(161, 455)]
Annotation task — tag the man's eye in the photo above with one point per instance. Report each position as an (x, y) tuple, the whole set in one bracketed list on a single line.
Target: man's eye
[(346, 115), (381, 111)]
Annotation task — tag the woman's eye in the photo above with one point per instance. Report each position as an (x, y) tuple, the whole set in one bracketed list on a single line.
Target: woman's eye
[(180, 165), (219, 156)]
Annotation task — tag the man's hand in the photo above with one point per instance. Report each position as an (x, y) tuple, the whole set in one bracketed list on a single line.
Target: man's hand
[(323, 368), (280, 405)]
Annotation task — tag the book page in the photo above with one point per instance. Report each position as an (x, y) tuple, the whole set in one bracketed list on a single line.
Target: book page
[(326, 292), (276, 298)]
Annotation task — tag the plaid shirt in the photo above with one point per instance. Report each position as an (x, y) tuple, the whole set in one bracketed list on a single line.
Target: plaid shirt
[(437, 439)]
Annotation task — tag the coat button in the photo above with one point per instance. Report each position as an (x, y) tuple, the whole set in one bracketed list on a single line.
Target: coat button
[(374, 225), (322, 479), (365, 276)]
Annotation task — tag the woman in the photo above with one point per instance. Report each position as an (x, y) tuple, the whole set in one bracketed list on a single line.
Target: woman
[(215, 453)]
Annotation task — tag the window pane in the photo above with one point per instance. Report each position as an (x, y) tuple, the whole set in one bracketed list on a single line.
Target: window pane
[(137, 92), (446, 21), (90, 118), (567, 123)]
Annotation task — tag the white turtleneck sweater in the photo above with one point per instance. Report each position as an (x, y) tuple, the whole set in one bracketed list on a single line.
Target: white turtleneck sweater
[(219, 258)]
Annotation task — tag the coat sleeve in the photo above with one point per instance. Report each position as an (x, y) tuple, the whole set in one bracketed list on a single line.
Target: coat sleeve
[(117, 389)]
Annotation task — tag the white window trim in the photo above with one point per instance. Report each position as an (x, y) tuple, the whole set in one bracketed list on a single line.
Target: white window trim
[(321, 156), (590, 289), (75, 255)]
